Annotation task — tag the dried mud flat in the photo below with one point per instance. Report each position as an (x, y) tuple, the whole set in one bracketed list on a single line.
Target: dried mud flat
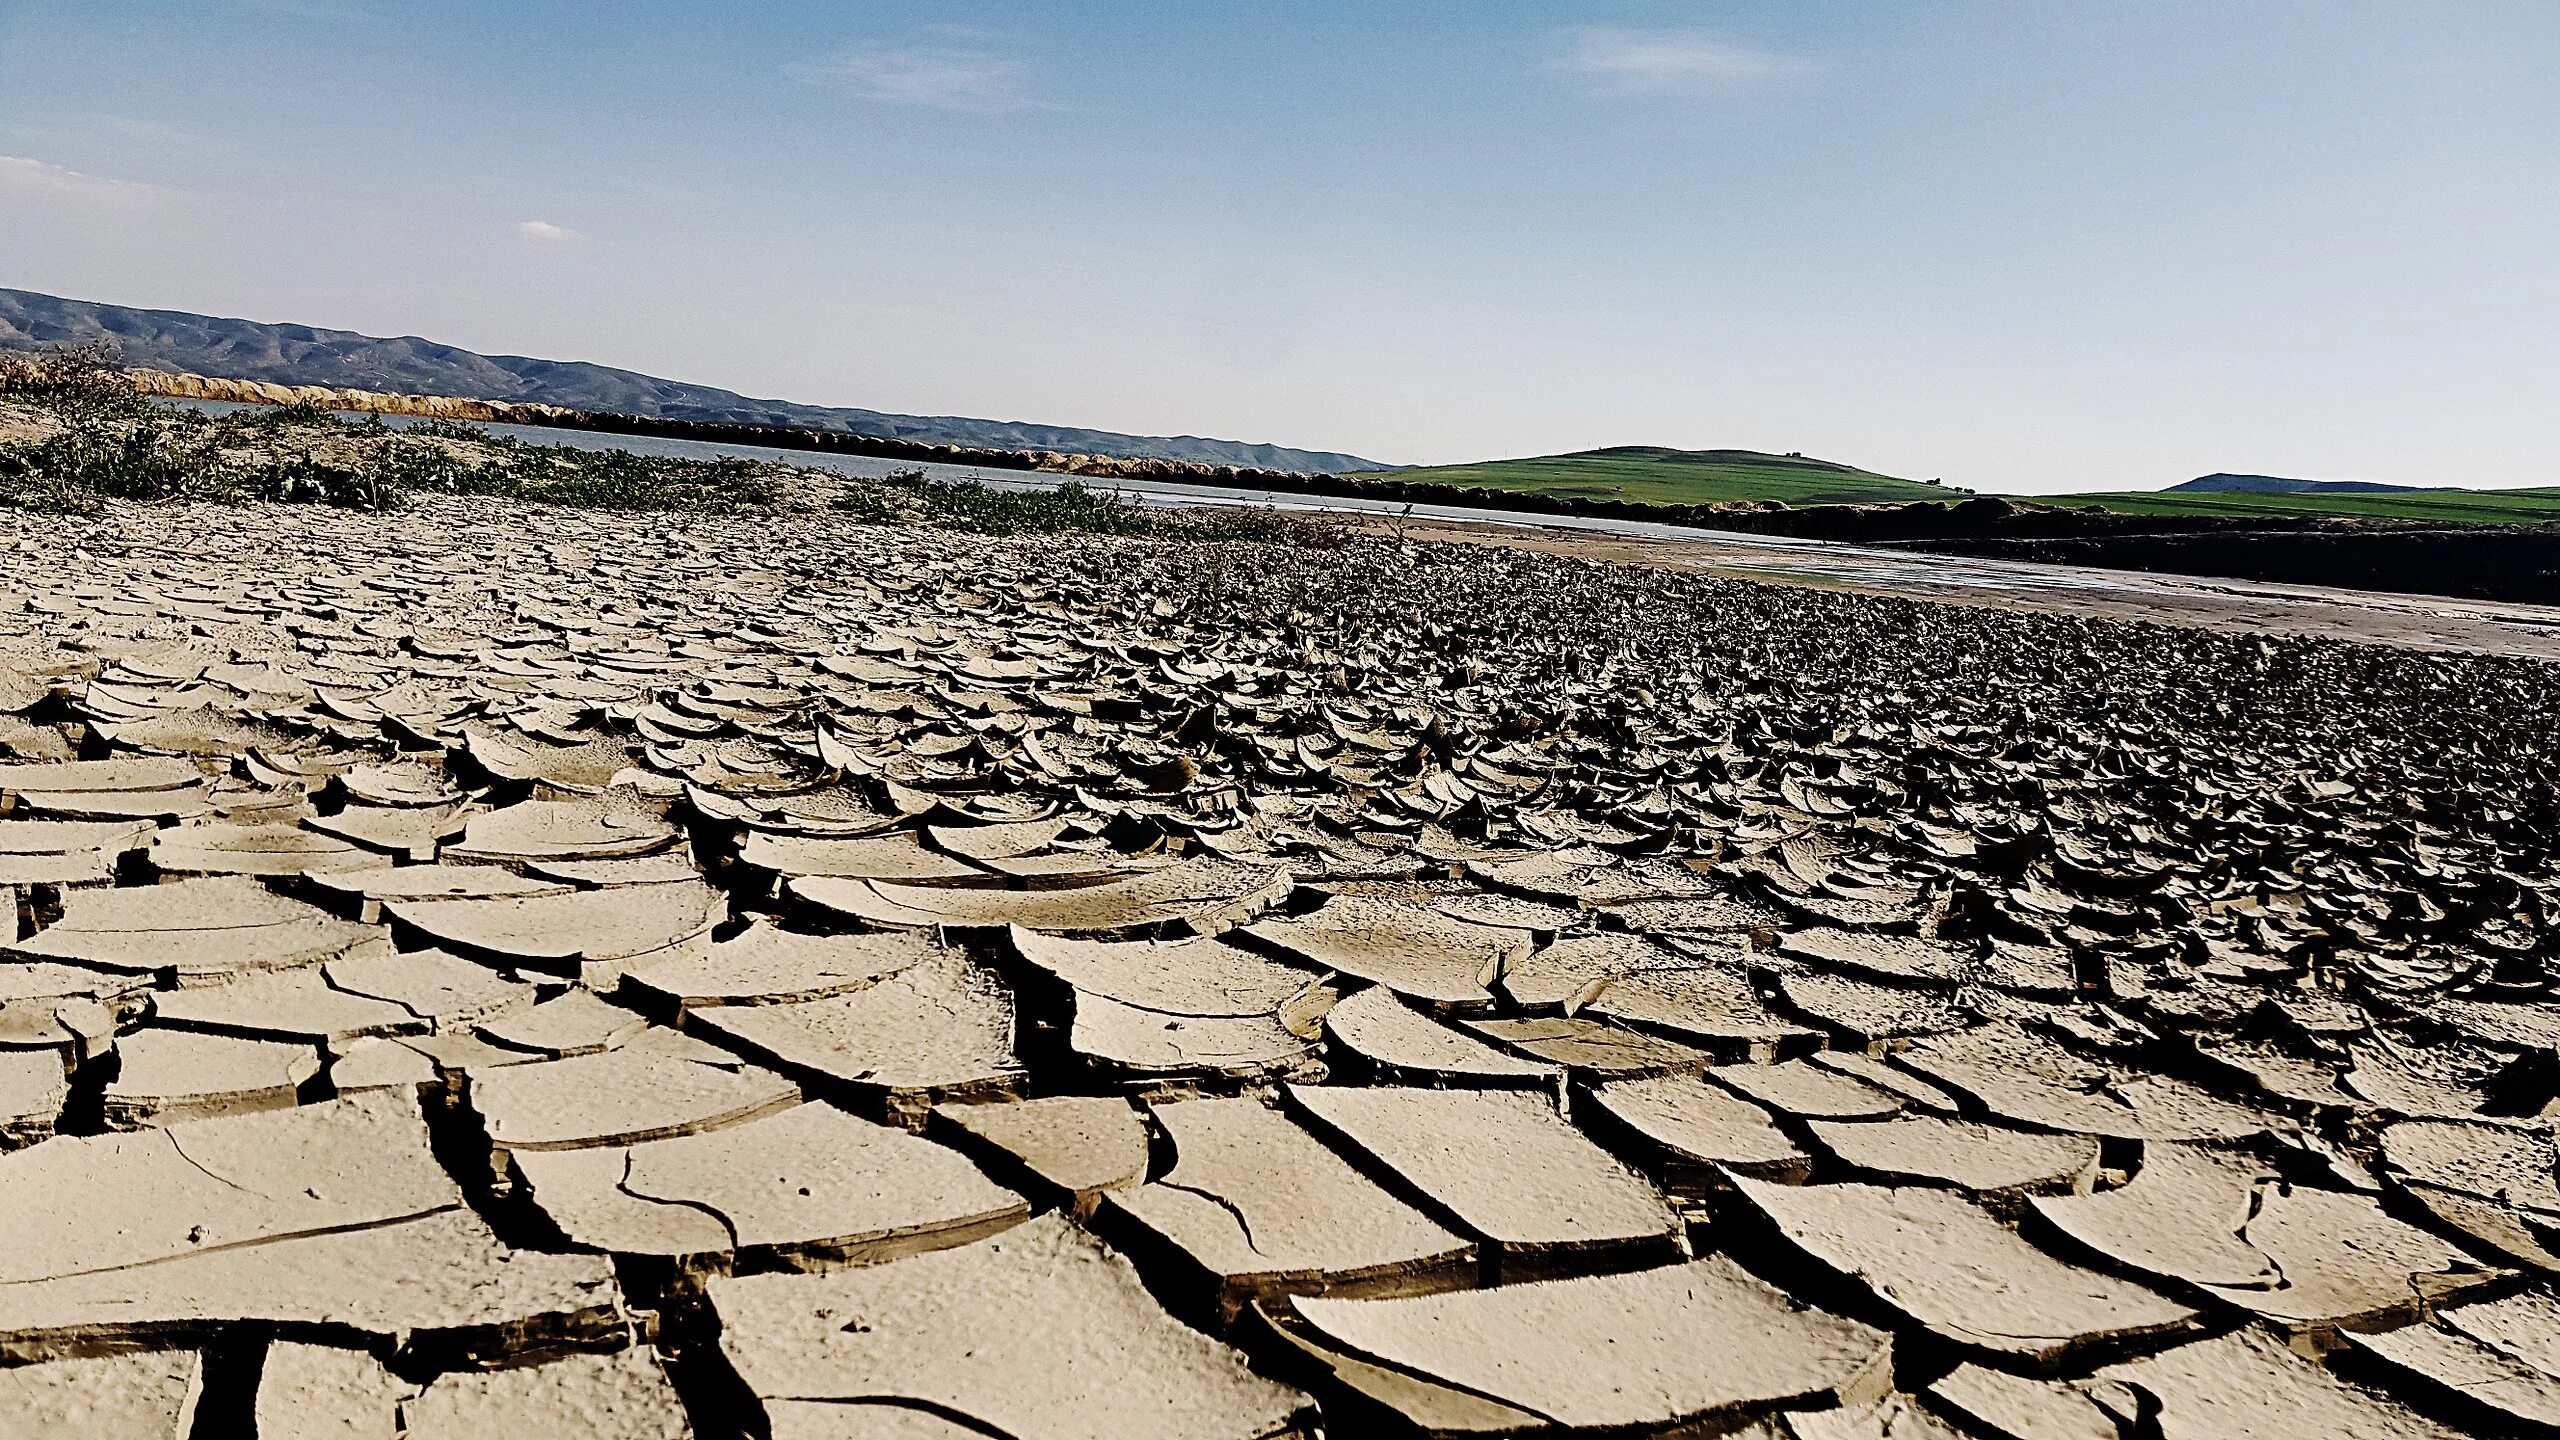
[(488, 971), (2242, 607)]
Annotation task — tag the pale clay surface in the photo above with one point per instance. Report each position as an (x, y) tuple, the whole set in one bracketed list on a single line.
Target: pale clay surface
[(1083, 988)]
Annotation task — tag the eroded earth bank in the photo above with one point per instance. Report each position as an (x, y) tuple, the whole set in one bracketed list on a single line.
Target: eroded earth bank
[(494, 970)]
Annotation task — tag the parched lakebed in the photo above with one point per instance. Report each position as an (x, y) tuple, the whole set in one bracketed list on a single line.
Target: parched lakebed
[(490, 969)]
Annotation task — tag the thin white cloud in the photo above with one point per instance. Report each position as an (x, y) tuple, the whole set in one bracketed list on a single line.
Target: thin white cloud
[(544, 230), (1673, 62), (935, 77), (326, 11), (22, 178), (971, 34)]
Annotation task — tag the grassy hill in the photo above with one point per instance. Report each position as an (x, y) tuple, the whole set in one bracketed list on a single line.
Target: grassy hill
[(2226, 483), (1654, 475), (2478, 507)]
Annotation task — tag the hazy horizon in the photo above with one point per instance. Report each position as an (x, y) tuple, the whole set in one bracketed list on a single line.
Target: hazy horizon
[(2019, 247)]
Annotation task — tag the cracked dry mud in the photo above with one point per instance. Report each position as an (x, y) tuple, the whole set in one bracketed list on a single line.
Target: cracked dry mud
[(480, 972)]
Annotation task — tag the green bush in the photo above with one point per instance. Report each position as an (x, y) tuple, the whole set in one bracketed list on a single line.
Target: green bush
[(908, 496), (80, 381), (301, 414), (309, 480), (149, 460), (592, 479)]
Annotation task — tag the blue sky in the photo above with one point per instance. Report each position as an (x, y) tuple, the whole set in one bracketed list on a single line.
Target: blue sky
[(2020, 244)]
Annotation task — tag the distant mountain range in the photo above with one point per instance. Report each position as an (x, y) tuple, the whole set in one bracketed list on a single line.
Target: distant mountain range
[(2278, 485), (341, 359)]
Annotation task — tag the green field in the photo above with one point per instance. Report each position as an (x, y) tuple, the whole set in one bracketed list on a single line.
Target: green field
[(2472, 507), (1653, 475)]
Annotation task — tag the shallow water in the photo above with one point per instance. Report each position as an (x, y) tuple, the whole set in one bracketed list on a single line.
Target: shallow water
[(1773, 557), (1156, 492)]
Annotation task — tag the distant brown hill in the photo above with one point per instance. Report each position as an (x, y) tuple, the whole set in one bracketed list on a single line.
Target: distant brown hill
[(184, 343)]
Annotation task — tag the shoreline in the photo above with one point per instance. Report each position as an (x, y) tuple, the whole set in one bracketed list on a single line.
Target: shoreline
[(2427, 563)]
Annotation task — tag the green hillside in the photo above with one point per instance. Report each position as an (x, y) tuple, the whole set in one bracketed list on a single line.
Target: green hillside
[(2484, 507), (1654, 475)]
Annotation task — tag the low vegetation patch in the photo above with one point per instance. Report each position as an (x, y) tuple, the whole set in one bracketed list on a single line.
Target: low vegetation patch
[(76, 434), (912, 497), (79, 434)]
